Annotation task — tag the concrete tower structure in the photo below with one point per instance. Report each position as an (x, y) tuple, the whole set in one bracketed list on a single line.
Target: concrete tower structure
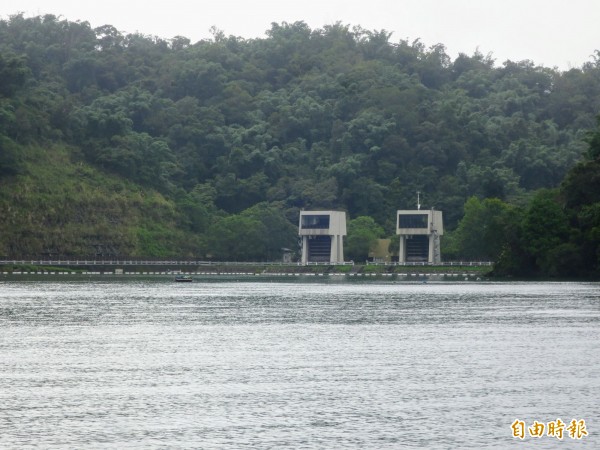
[(322, 234), (420, 233)]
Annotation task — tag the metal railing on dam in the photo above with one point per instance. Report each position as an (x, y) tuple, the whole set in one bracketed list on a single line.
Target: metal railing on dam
[(425, 264), (151, 262)]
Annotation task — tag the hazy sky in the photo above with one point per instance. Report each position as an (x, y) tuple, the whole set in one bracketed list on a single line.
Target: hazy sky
[(561, 33)]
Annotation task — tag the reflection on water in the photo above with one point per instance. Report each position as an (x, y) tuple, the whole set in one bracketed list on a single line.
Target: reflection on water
[(146, 364)]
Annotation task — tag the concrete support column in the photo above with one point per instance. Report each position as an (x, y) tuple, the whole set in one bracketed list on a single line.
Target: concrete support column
[(431, 248), (336, 254), (333, 253), (304, 249), (402, 250)]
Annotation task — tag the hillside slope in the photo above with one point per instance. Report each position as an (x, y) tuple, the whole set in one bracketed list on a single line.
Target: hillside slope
[(61, 207)]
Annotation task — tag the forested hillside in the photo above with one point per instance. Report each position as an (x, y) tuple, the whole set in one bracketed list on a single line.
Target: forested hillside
[(136, 145)]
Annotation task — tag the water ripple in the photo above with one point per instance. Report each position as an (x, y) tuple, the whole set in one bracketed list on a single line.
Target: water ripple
[(147, 364)]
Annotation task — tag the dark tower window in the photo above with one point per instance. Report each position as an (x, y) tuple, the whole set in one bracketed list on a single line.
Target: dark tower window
[(412, 220), (315, 222)]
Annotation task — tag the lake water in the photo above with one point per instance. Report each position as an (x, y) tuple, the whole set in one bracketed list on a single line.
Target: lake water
[(126, 363)]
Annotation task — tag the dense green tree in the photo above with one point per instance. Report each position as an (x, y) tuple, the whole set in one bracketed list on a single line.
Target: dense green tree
[(545, 228), (280, 233), (363, 233), (581, 191), (13, 72), (237, 238), (481, 233), (542, 241)]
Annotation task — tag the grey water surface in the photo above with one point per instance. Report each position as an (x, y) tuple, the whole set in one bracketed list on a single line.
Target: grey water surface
[(129, 363)]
